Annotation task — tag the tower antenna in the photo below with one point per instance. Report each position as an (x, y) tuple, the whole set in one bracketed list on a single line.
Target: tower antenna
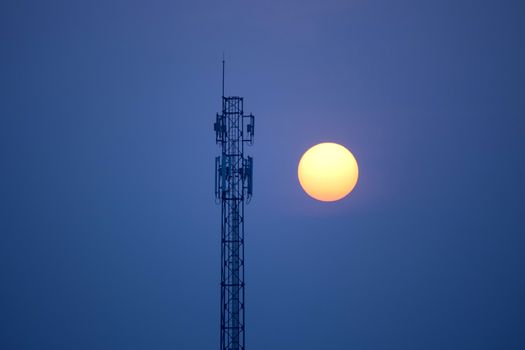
[(223, 74)]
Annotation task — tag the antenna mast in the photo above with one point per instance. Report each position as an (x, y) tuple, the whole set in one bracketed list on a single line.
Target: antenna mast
[(233, 187)]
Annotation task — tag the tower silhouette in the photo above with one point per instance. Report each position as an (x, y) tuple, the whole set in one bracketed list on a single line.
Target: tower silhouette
[(233, 187)]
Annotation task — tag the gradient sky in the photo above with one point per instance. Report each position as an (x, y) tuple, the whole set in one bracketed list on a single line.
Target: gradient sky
[(109, 234)]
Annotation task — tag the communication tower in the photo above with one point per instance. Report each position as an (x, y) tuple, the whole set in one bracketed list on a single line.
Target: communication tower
[(233, 187)]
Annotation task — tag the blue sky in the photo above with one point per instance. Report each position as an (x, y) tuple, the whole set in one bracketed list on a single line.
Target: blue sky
[(109, 234)]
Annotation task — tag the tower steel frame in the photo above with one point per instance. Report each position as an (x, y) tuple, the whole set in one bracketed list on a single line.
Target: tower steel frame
[(233, 187)]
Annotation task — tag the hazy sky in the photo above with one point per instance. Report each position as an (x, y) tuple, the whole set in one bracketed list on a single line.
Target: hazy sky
[(109, 234)]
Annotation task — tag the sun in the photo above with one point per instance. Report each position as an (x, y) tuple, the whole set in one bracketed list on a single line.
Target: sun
[(328, 172)]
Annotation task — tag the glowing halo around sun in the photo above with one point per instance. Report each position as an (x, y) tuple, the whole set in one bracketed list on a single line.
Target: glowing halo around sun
[(328, 172)]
